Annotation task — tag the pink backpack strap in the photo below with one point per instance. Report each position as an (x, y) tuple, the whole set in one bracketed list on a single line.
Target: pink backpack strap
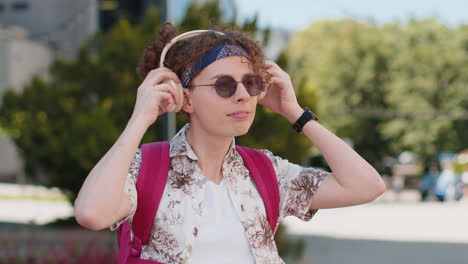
[(151, 182), (264, 176)]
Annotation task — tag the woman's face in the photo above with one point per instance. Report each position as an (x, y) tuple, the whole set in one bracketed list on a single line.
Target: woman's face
[(225, 117)]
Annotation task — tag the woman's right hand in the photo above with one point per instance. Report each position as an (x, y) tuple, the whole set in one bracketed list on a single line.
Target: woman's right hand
[(152, 92)]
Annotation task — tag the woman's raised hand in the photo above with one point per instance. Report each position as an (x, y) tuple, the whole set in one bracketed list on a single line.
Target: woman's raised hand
[(152, 92), (280, 97)]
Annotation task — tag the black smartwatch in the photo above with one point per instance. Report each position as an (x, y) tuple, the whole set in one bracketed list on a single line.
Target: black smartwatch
[(305, 117)]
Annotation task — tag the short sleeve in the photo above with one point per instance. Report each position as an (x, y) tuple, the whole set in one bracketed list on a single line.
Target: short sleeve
[(130, 189), (297, 187)]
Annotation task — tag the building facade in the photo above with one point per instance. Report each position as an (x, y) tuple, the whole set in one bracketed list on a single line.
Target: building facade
[(20, 58), (63, 24)]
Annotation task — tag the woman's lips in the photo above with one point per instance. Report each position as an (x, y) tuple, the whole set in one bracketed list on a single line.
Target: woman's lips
[(239, 115)]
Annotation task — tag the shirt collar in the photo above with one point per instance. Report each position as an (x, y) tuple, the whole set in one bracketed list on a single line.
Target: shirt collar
[(179, 145)]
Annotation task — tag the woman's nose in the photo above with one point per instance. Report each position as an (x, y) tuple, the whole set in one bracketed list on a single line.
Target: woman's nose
[(241, 92)]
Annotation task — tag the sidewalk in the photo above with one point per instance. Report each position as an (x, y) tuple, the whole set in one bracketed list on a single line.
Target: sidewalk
[(387, 219), (388, 231)]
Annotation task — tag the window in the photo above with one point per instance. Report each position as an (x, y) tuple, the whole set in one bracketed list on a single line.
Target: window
[(20, 6)]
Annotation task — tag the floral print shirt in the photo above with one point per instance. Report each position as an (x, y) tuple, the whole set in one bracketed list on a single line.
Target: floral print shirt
[(176, 223)]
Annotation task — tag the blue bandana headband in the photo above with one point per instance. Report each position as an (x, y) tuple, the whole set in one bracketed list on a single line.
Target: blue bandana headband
[(209, 57)]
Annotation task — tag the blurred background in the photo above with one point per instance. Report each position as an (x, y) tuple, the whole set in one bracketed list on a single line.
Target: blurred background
[(389, 77)]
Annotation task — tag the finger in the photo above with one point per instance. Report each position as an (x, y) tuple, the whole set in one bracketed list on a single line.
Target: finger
[(151, 74), (276, 79), (175, 93), (279, 81), (166, 100), (164, 106), (159, 70), (167, 88), (271, 64), (165, 75), (277, 71), (156, 76), (279, 74)]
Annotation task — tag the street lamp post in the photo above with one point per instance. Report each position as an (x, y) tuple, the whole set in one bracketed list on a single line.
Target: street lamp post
[(169, 119)]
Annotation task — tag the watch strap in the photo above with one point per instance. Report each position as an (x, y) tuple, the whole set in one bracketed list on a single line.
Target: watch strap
[(306, 116)]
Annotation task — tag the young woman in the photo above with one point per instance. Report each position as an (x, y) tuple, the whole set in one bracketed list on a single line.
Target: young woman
[(211, 211)]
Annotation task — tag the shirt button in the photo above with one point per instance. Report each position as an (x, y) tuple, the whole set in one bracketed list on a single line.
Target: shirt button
[(195, 231)]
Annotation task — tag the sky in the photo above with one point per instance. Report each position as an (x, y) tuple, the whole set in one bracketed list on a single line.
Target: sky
[(298, 14)]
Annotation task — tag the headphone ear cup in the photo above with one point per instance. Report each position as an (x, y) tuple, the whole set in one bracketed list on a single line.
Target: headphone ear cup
[(180, 96), (261, 95)]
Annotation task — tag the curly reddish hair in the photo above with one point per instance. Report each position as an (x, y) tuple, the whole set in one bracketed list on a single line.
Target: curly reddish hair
[(185, 52)]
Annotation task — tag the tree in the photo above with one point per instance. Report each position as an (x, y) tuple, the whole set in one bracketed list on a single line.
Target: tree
[(202, 16), (346, 63), (63, 126), (388, 88), (428, 90)]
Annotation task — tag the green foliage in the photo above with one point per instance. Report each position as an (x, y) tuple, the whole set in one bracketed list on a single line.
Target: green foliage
[(201, 16), (63, 126), (428, 74), (385, 87)]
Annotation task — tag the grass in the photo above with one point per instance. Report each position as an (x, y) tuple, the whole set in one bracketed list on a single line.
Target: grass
[(10, 191), (34, 197)]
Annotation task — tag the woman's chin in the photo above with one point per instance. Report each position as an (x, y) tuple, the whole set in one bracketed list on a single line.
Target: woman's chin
[(240, 130)]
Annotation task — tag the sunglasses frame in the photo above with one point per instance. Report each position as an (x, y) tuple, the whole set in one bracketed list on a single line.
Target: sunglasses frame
[(235, 85)]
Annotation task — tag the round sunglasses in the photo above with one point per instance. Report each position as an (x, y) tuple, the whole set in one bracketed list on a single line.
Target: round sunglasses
[(226, 85)]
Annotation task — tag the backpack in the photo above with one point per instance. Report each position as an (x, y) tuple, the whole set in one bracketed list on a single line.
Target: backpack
[(150, 188)]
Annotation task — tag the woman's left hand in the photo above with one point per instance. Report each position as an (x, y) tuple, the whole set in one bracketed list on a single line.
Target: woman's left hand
[(280, 97)]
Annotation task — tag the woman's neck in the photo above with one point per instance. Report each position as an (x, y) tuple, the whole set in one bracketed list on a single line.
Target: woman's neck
[(210, 150)]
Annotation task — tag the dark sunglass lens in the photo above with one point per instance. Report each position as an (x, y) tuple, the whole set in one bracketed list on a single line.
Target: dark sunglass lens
[(225, 86), (253, 84)]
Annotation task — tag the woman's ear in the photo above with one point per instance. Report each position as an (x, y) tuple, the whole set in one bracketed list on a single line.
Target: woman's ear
[(187, 107)]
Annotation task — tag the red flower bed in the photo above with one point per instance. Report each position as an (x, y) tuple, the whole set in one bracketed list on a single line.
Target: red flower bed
[(57, 246)]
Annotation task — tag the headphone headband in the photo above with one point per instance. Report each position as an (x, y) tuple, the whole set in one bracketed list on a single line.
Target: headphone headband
[(180, 37)]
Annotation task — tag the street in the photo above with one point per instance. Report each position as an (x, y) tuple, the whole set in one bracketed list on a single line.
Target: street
[(388, 230), (329, 250)]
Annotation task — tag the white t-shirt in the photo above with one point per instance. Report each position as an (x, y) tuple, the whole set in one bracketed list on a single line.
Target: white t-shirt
[(221, 237)]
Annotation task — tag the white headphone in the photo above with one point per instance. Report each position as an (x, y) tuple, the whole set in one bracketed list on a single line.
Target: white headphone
[(178, 87), (180, 37)]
